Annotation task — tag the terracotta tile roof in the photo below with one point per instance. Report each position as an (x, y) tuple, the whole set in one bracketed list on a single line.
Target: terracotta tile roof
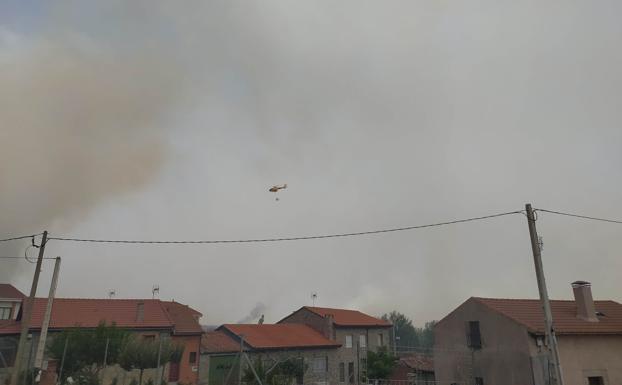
[(185, 318), (89, 312), (344, 317), (529, 313), (218, 342), (279, 336), (418, 362), (8, 291)]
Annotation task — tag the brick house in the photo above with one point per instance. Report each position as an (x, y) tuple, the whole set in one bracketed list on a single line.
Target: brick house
[(150, 318), (272, 344), (501, 341), (356, 332)]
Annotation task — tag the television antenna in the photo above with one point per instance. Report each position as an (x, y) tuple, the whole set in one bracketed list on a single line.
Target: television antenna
[(155, 290), (313, 297), (112, 293)]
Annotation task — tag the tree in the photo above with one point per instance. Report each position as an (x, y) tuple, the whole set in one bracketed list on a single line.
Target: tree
[(426, 335), (84, 350), (409, 335), (141, 354), (404, 329), (380, 364)]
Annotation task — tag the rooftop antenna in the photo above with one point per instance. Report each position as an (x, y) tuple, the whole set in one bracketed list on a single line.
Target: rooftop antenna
[(155, 291), (111, 293), (313, 297)]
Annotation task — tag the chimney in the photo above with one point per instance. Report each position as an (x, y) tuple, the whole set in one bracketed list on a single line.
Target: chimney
[(329, 326), (585, 303), (140, 312)]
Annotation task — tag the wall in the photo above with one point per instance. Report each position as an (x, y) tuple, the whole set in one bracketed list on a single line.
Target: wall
[(269, 358), (309, 318), (503, 359), (357, 353), (581, 356), (188, 372)]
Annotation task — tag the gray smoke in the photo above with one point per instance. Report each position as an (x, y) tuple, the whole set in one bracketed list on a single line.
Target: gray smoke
[(80, 123), (254, 314)]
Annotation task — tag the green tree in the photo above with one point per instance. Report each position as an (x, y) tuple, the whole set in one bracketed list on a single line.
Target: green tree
[(426, 335), (141, 354), (380, 364), (85, 350), (404, 329), (409, 335)]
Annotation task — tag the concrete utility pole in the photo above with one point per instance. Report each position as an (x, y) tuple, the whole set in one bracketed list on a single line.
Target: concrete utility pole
[(46, 318), (240, 359), (27, 313), (544, 296)]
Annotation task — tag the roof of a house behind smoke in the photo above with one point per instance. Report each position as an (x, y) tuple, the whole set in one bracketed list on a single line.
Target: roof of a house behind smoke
[(345, 317)]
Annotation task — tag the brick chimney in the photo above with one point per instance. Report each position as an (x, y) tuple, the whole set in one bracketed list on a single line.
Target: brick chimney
[(585, 303), (140, 312), (329, 326)]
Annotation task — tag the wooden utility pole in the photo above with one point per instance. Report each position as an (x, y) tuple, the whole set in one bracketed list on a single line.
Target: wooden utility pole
[(544, 297), (27, 313), (240, 359), (46, 317)]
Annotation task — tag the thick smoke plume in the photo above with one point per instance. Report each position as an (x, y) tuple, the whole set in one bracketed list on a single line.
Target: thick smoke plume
[(254, 314), (80, 124)]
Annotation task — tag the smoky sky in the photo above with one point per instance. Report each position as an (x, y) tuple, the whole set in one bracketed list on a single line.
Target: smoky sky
[(161, 120)]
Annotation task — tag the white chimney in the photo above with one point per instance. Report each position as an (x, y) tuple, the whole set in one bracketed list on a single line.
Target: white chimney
[(584, 301)]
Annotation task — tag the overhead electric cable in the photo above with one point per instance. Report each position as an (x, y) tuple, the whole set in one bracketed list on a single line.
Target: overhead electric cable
[(579, 216), (299, 238), (20, 237)]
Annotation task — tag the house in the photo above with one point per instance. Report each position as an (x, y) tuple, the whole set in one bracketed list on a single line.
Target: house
[(150, 318), (502, 341), (413, 369), (354, 331), (272, 344), (10, 302)]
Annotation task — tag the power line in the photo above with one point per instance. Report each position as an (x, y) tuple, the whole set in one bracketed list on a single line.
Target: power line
[(3, 257), (20, 237), (580, 216), (300, 238)]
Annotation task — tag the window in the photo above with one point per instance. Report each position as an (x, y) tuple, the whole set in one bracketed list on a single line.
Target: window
[(149, 337), (348, 341), (380, 339), (192, 357), (474, 337), (479, 381), (597, 380), (5, 312), (351, 372), (342, 372), (320, 364), (300, 374), (363, 341)]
